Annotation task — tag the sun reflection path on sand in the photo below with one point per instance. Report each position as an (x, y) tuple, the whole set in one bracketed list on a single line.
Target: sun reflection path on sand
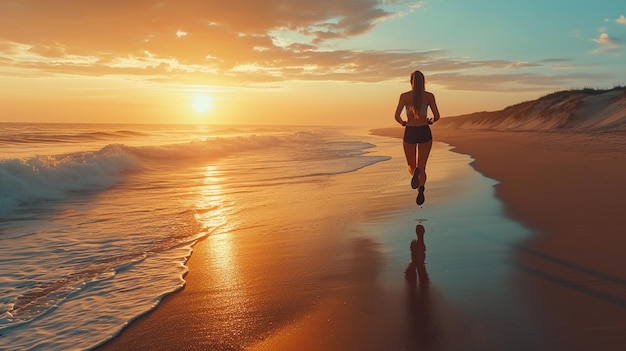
[(215, 211)]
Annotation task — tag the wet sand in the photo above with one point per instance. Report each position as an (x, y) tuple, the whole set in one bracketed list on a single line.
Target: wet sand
[(328, 291), (569, 189)]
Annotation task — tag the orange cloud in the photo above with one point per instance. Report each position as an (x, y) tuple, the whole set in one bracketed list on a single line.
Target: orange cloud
[(183, 35), (234, 42)]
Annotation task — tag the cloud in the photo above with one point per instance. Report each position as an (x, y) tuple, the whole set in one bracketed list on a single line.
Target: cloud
[(400, 8), (122, 26), (179, 35), (516, 82), (621, 20), (234, 42), (416, 6), (607, 44), (562, 64), (295, 62), (558, 60)]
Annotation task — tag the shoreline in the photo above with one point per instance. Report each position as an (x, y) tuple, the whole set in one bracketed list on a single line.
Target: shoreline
[(273, 275), (568, 189), (575, 287)]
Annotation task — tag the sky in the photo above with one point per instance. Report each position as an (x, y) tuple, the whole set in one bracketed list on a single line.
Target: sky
[(295, 62)]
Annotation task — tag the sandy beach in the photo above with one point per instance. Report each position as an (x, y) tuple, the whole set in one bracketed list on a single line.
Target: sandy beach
[(567, 189), (232, 176)]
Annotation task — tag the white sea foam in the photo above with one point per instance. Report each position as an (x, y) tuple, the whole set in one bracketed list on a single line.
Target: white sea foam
[(44, 178), (53, 177)]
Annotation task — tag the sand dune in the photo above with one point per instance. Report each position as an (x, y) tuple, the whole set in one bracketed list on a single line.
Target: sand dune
[(576, 110)]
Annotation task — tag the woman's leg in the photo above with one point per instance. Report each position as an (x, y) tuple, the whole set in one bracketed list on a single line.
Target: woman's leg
[(410, 153), (423, 151)]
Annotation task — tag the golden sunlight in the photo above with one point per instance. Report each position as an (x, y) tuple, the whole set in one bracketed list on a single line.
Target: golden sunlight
[(201, 103)]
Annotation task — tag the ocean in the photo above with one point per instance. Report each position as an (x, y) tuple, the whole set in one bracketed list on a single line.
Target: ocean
[(97, 222)]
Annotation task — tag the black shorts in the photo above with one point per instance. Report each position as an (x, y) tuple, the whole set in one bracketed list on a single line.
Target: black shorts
[(417, 134)]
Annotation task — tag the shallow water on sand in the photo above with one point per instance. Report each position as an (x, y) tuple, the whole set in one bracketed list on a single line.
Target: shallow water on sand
[(341, 274), (97, 221), (293, 217), (457, 279)]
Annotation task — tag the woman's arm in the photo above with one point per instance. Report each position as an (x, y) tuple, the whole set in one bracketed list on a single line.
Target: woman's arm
[(399, 109), (433, 107)]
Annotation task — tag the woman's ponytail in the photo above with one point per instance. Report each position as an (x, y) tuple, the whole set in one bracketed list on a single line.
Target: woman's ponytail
[(417, 82)]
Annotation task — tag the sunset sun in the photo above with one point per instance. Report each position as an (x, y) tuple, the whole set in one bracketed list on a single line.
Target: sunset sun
[(201, 103)]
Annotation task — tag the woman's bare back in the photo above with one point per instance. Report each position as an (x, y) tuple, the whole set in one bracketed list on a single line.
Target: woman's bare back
[(406, 102)]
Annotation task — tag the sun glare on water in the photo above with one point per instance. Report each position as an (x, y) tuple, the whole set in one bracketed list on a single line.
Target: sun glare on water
[(201, 103)]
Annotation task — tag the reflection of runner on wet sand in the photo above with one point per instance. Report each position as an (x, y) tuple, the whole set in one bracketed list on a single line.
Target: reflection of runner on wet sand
[(418, 257), (423, 331)]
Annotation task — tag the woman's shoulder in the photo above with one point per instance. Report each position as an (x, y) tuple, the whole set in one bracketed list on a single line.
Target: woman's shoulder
[(406, 96), (430, 96)]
